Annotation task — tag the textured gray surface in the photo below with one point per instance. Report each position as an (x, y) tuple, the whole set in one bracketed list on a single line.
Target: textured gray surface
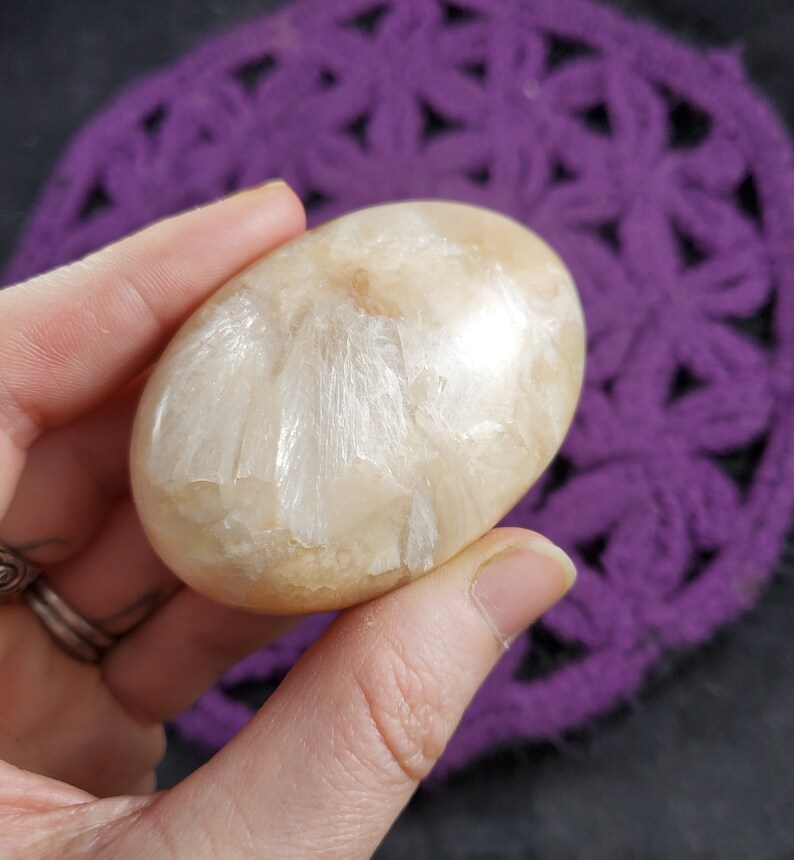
[(701, 764)]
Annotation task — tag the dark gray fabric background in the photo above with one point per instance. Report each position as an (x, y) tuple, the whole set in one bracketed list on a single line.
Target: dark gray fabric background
[(700, 765)]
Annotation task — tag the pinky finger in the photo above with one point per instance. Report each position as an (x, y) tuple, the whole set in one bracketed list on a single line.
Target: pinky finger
[(169, 661)]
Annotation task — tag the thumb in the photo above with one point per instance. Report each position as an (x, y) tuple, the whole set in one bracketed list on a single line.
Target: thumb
[(338, 750)]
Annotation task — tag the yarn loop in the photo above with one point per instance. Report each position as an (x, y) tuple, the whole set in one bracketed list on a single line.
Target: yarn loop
[(659, 175)]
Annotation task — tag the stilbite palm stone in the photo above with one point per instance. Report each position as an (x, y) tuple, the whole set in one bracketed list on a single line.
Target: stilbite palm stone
[(358, 406)]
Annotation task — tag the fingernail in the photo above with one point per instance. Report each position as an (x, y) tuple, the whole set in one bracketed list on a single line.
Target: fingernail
[(270, 183), (517, 585)]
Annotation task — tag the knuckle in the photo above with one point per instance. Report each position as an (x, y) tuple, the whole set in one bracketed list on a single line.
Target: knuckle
[(411, 708), (155, 747), (220, 647)]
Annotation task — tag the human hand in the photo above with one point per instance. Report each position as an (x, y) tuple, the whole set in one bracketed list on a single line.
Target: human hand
[(337, 751)]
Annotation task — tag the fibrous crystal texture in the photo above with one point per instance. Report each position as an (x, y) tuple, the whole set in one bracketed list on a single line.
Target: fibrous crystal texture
[(358, 406)]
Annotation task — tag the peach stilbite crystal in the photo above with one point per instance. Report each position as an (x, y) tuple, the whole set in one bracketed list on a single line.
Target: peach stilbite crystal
[(358, 406)]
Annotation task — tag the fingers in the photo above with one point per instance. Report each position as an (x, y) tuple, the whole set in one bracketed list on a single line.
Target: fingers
[(74, 335), (170, 660), (70, 477), (338, 750), (118, 580), (59, 720)]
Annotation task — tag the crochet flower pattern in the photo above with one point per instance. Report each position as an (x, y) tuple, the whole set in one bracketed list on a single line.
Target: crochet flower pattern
[(658, 174)]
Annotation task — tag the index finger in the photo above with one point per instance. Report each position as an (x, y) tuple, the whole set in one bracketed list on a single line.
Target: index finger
[(73, 336)]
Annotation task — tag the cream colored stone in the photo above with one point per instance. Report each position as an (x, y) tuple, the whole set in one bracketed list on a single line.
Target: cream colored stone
[(358, 406)]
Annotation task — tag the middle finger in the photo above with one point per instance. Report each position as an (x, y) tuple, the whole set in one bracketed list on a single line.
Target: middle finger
[(117, 580), (70, 478)]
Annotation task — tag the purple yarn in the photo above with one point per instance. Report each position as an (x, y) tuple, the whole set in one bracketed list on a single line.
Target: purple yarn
[(659, 175)]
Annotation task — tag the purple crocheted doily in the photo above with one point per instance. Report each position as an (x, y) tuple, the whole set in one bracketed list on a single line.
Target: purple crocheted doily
[(662, 179)]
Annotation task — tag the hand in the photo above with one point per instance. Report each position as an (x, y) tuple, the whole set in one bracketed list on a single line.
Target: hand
[(337, 751)]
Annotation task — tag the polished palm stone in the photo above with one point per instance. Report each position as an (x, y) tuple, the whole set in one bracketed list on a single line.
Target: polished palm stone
[(358, 406)]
